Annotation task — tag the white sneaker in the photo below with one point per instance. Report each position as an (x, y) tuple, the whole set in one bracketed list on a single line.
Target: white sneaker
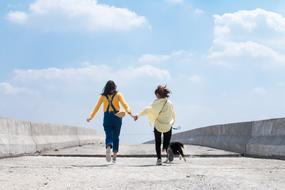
[(108, 154), (158, 162)]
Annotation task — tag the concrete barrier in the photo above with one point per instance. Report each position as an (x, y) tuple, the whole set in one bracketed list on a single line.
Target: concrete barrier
[(15, 137), (268, 139), (48, 136), (264, 138), (87, 136), (22, 137)]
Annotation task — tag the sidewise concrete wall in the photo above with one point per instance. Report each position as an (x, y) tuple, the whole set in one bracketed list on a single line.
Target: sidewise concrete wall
[(264, 138), (268, 139), (22, 137)]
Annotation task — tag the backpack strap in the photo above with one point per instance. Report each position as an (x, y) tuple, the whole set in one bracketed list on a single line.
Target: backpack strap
[(110, 103)]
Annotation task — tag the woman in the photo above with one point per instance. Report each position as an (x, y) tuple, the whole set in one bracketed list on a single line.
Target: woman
[(112, 121), (161, 114)]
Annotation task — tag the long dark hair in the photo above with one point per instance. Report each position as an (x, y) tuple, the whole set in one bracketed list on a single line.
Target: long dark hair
[(162, 91), (110, 88)]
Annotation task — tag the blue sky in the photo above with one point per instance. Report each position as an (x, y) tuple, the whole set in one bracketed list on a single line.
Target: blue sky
[(224, 61)]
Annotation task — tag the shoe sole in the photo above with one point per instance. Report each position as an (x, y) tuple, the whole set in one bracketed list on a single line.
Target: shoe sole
[(108, 154), (159, 163)]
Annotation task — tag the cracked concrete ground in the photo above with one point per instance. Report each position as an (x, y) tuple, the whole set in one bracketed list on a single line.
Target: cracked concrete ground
[(73, 173), (139, 150)]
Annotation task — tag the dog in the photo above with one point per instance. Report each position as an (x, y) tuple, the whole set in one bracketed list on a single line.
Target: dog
[(175, 149)]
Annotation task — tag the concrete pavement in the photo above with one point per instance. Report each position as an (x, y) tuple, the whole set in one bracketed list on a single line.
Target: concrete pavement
[(86, 173), (141, 150), (209, 172)]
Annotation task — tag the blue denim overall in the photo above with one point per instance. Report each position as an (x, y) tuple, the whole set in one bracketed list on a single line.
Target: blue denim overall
[(112, 126)]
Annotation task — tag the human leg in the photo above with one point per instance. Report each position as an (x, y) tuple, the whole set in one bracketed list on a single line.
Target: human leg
[(166, 139), (166, 142), (108, 141), (157, 136), (108, 136), (116, 139)]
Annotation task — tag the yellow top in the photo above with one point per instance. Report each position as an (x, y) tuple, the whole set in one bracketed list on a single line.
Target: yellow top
[(119, 98)]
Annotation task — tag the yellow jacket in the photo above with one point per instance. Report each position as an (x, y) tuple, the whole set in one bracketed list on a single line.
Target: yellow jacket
[(163, 121), (118, 99)]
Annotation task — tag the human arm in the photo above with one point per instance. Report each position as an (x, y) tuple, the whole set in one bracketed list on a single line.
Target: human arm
[(124, 103), (145, 111), (95, 110), (173, 115)]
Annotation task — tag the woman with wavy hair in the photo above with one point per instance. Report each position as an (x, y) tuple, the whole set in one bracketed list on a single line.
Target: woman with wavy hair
[(162, 116), (112, 121)]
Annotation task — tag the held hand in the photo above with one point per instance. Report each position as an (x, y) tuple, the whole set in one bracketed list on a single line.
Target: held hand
[(135, 117)]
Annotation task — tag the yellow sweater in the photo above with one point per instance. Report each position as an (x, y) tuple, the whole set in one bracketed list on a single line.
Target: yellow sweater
[(118, 99)]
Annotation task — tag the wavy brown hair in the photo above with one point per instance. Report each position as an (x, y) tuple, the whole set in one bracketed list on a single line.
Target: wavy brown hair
[(162, 91), (110, 88)]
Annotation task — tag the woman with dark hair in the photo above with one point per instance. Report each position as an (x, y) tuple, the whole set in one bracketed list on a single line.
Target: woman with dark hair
[(160, 114), (112, 121)]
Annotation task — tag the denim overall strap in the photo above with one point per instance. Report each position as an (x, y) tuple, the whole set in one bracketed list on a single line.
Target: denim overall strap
[(110, 103)]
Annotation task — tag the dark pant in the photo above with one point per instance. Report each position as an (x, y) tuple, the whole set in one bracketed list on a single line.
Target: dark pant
[(112, 127), (166, 141)]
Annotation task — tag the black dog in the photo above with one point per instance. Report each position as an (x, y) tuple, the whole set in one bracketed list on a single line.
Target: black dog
[(175, 149)]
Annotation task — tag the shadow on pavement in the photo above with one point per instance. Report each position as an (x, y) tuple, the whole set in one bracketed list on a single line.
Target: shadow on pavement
[(91, 166)]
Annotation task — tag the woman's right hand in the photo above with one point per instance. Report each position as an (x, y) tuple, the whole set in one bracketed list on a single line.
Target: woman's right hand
[(135, 117)]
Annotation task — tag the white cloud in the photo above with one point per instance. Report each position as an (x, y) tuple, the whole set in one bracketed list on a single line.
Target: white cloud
[(176, 56), (199, 12), (250, 20), (240, 52), (90, 73), (8, 89), (78, 15), (175, 1), (254, 36), (144, 71), (18, 17)]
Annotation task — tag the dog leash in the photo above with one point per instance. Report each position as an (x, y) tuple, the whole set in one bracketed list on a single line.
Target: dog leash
[(177, 128)]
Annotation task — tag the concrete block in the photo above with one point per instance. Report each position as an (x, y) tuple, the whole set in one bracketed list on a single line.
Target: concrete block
[(265, 138), (278, 127), (22, 137), (262, 128), (4, 138), (48, 136), (15, 138), (89, 136), (238, 129)]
